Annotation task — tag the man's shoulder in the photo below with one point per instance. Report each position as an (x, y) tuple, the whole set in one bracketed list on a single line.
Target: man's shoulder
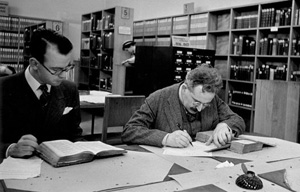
[(165, 92)]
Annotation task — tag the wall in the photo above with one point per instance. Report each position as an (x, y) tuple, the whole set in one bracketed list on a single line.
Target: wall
[(70, 11)]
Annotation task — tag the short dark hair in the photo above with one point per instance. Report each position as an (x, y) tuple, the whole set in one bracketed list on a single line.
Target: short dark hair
[(207, 76), (127, 44), (39, 39)]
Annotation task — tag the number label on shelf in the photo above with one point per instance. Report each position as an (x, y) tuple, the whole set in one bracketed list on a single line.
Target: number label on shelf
[(57, 26), (274, 29), (125, 13)]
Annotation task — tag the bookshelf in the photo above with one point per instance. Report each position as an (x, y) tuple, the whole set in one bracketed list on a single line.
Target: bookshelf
[(12, 30), (257, 41), (102, 35)]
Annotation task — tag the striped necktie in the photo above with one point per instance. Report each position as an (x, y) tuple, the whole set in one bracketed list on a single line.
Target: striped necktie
[(44, 98)]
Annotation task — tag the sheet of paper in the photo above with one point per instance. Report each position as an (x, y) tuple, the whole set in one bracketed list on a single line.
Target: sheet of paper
[(133, 168), (190, 163), (17, 168), (96, 96), (292, 178), (198, 149), (224, 178)]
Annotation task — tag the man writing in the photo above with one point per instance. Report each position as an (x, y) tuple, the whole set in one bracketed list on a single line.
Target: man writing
[(173, 115)]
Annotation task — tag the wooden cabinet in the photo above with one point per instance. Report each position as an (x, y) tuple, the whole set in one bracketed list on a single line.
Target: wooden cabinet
[(12, 29), (102, 36), (277, 109), (258, 41)]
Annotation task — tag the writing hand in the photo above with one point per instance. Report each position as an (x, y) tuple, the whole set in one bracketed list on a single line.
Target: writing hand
[(25, 146), (179, 139), (221, 135)]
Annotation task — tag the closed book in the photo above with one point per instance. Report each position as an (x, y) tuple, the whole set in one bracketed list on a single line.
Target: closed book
[(60, 153)]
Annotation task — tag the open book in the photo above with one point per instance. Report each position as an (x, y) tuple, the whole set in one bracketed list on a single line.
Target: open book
[(64, 152)]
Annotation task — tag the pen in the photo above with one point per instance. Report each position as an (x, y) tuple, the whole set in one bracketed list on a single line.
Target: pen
[(178, 125)]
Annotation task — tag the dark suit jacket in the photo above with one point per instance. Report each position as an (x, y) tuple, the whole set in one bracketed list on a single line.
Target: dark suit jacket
[(161, 114), (21, 112)]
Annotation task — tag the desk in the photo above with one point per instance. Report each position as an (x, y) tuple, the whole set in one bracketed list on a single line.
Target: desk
[(145, 168), (93, 101), (92, 108)]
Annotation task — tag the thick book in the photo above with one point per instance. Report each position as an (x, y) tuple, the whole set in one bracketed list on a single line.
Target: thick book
[(60, 153)]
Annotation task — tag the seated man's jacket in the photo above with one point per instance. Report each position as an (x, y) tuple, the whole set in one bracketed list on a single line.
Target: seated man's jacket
[(161, 114), (21, 112)]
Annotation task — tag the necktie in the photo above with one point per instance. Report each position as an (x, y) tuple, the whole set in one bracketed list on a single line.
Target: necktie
[(44, 98)]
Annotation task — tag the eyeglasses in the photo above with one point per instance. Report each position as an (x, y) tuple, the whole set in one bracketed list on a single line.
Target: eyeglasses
[(57, 72), (198, 103)]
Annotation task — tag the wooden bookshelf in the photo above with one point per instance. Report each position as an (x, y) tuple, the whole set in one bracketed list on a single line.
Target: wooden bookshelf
[(102, 36), (12, 45), (257, 41)]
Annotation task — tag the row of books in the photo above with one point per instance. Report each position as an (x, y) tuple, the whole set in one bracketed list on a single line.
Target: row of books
[(242, 72), (106, 83), (9, 23), (296, 46), (10, 39), (297, 16), (198, 41), (245, 21), (95, 24), (273, 46), (163, 41), (271, 72), (11, 54), (164, 26), (240, 98), (275, 17), (199, 23), (150, 27), (17, 67), (295, 76), (244, 45)]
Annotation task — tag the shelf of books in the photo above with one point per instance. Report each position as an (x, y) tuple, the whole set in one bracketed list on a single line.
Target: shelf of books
[(102, 35), (12, 30), (257, 41)]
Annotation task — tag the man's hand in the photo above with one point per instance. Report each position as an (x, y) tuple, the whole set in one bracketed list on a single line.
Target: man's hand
[(179, 139), (221, 135), (25, 146)]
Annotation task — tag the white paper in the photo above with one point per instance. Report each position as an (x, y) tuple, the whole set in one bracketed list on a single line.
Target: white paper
[(95, 97), (225, 178), (198, 149), (17, 168), (131, 169), (292, 178)]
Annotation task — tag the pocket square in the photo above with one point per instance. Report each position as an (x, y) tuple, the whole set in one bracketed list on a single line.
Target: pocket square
[(67, 110)]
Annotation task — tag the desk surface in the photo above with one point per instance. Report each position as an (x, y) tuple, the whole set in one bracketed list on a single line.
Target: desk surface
[(145, 168)]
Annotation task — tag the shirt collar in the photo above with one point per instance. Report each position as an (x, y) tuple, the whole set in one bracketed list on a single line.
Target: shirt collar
[(33, 83)]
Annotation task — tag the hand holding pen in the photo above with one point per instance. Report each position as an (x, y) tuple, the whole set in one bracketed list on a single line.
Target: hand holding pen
[(179, 138)]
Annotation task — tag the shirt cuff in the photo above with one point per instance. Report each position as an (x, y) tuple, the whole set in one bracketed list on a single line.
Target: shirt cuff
[(164, 141), (6, 154)]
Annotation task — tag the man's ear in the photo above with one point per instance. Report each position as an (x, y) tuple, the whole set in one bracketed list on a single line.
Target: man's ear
[(33, 62), (184, 86)]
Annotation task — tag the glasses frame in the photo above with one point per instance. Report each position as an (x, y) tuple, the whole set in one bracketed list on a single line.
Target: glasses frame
[(59, 72), (196, 102)]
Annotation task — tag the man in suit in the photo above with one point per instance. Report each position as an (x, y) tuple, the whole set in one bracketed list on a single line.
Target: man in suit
[(173, 115), (29, 115)]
